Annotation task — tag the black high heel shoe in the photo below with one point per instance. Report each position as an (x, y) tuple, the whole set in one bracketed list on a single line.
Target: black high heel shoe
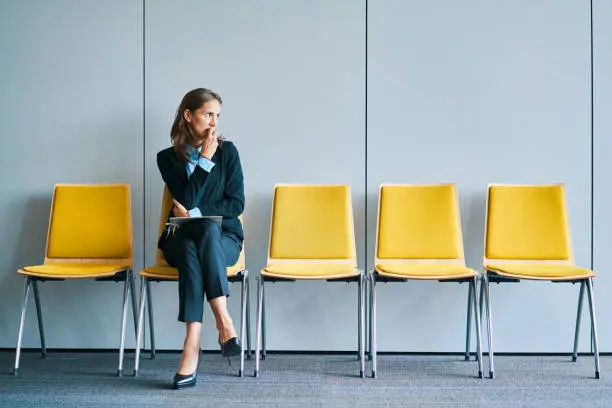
[(230, 348), (189, 380)]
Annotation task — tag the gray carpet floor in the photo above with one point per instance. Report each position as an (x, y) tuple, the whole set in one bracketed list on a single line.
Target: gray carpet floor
[(89, 380)]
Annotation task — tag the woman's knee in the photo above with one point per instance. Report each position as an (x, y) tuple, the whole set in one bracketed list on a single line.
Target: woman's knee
[(185, 253), (209, 232)]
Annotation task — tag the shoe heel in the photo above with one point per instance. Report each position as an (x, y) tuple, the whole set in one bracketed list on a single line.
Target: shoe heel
[(231, 347)]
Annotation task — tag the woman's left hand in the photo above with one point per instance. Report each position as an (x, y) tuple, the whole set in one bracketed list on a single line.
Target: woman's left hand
[(178, 209)]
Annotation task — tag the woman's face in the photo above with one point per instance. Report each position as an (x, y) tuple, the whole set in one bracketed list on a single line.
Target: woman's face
[(204, 118)]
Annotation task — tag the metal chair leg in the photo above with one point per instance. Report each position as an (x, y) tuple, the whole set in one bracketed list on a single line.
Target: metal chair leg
[(20, 336), (263, 321), (126, 289), (473, 285), (243, 318), (362, 286), (489, 325), (481, 301), (133, 300), (151, 320), (373, 323), (369, 292), (468, 330), (41, 329), (259, 324), (359, 327), (144, 288), (248, 317), (578, 318), (593, 325)]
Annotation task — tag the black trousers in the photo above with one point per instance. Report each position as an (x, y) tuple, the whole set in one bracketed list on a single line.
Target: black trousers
[(201, 252)]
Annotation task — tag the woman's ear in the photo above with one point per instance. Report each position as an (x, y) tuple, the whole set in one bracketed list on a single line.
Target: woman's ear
[(187, 115)]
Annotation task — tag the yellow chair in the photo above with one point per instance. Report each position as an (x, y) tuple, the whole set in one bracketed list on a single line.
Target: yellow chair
[(162, 272), (89, 237), (311, 238), (527, 237), (418, 237)]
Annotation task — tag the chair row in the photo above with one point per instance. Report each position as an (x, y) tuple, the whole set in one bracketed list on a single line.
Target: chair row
[(312, 238)]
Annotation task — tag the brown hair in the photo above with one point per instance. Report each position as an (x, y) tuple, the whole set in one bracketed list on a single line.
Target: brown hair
[(181, 133)]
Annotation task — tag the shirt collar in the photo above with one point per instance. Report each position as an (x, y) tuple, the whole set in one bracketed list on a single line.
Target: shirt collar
[(193, 153)]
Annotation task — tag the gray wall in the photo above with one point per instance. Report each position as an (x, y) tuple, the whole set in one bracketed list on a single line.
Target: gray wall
[(292, 78), (602, 133), (473, 93), (476, 92), (71, 111)]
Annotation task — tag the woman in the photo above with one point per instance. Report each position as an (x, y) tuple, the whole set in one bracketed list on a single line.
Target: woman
[(204, 175)]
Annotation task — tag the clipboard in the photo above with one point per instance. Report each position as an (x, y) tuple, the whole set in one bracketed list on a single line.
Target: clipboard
[(178, 221)]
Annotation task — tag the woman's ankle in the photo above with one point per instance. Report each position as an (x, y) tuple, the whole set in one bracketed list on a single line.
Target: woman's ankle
[(226, 332), (191, 345), (189, 358)]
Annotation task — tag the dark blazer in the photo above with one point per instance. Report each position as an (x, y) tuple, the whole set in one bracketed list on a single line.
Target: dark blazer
[(220, 192)]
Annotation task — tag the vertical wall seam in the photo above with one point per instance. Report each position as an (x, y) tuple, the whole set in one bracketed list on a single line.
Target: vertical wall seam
[(592, 157), (592, 149), (144, 142), (366, 139)]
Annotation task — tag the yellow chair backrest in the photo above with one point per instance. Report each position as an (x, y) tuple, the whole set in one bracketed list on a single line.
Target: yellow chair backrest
[(166, 207), (90, 222), (418, 222), (165, 212), (527, 223), (312, 222)]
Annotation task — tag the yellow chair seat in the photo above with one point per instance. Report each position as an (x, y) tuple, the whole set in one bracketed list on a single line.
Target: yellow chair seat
[(304, 270), (162, 272), (541, 271), (425, 271), (73, 270), (168, 272), (235, 270)]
